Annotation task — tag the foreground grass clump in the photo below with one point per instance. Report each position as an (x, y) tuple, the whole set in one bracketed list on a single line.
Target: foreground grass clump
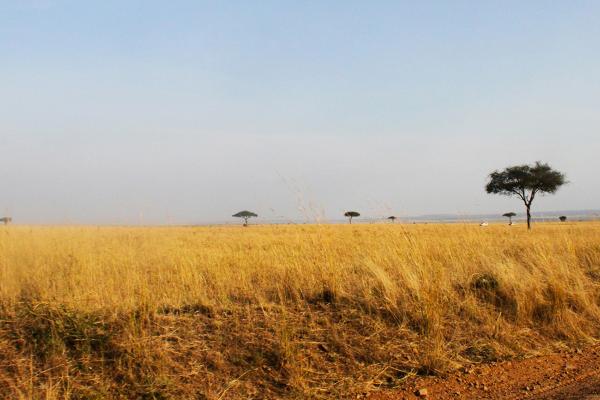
[(282, 311)]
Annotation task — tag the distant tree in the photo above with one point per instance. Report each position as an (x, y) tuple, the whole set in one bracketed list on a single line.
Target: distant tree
[(351, 214), (509, 215), (6, 220), (562, 218), (392, 218), (246, 215), (525, 182)]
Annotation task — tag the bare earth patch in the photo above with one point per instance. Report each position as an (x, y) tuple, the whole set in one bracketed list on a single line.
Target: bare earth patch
[(568, 375)]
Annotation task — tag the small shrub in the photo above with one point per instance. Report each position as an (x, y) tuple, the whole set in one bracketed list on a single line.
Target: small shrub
[(488, 289), (485, 282)]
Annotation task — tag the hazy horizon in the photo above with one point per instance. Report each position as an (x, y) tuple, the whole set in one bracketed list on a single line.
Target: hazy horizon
[(187, 112)]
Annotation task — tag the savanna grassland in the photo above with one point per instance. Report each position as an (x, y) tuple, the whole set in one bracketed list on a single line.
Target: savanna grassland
[(304, 311)]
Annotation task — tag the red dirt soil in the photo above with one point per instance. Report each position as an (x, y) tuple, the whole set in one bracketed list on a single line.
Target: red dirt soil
[(574, 375)]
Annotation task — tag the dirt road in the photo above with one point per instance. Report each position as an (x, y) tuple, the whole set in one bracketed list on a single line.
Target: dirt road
[(574, 375)]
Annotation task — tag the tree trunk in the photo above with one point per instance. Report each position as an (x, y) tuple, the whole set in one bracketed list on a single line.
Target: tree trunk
[(350, 220), (510, 220), (246, 221), (528, 217)]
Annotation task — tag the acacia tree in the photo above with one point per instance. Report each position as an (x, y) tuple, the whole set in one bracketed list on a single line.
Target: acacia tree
[(392, 218), (246, 215), (562, 218), (509, 215), (525, 182), (351, 214)]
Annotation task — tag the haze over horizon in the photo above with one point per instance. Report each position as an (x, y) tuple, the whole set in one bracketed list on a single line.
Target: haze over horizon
[(187, 112)]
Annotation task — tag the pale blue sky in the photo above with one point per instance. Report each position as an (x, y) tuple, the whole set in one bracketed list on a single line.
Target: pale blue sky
[(188, 111)]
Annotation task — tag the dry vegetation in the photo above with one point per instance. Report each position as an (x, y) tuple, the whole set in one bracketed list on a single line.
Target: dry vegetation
[(282, 311)]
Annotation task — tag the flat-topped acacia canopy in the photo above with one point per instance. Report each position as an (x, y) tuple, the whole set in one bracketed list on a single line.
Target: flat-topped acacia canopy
[(245, 214), (525, 182), (351, 214)]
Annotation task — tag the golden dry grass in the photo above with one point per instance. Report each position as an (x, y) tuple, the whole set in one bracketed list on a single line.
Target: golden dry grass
[(283, 311)]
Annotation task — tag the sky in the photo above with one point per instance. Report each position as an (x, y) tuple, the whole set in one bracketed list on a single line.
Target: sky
[(156, 112)]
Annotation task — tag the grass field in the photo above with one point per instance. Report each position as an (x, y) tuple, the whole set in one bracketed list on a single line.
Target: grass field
[(283, 311)]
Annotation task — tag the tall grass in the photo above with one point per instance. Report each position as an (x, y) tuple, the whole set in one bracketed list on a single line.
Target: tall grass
[(272, 311)]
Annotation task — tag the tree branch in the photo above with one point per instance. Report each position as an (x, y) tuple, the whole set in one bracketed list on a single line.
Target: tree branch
[(532, 195), (521, 195)]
